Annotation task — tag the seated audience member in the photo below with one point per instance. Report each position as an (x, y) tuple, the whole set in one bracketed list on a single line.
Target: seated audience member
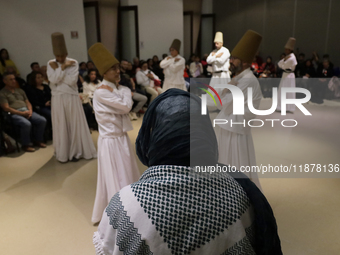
[(90, 65), (196, 68), (155, 61), (136, 64), (14, 100), (278, 70), (127, 81), (325, 58), (308, 70), (300, 65), (83, 69), (267, 69), (20, 83), (150, 64), (326, 71), (43, 70), (81, 76), (164, 56), (39, 96), (129, 71), (315, 60), (255, 68), (175, 209), (5, 61), (35, 67), (89, 86), (149, 81), (157, 69), (320, 86)]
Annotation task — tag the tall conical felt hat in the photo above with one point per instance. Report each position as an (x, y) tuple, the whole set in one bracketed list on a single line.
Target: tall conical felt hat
[(102, 58), (58, 44), (218, 37), (176, 44), (290, 43), (247, 47)]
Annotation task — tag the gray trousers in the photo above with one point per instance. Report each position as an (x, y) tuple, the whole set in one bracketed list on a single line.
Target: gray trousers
[(141, 99)]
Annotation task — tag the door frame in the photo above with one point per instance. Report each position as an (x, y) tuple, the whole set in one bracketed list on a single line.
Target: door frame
[(96, 6), (133, 8)]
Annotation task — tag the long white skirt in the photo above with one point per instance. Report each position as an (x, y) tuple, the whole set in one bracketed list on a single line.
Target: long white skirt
[(168, 85), (117, 168), (237, 150), (287, 81), (71, 134)]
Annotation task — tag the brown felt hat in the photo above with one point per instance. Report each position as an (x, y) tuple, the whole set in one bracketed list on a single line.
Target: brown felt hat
[(290, 43), (176, 44), (102, 58), (58, 44), (247, 47)]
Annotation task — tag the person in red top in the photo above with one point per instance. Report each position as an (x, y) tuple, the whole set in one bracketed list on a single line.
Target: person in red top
[(255, 67), (267, 69)]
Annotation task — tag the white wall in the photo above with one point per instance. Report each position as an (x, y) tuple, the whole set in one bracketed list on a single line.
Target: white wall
[(314, 23), (160, 21), (26, 29)]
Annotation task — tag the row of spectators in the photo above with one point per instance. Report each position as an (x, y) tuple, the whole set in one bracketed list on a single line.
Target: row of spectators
[(144, 78)]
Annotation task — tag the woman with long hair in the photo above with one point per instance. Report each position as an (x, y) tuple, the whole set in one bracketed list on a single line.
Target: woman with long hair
[(5, 61), (39, 95)]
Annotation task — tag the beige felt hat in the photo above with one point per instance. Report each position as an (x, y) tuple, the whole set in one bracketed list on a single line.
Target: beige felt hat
[(290, 43), (218, 37), (102, 58)]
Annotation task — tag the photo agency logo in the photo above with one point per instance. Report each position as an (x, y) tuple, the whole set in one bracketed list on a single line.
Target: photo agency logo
[(238, 102)]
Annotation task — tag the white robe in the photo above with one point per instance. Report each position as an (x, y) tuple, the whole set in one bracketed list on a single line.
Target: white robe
[(117, 165), (218, 64), (235, 144), (71, 135), (173, 73), (287, 81)]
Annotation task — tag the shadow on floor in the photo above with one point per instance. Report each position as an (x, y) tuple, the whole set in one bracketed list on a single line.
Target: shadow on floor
[(50, 177)]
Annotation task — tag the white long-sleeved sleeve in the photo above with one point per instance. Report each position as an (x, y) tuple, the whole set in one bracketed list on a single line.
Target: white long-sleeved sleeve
[(221, 60), (142, 79), (211, 59), (55, 75), (166, 62), (72, 73), (177, 66), (119, 101), (290, 63), (68, 76), (281, 63)]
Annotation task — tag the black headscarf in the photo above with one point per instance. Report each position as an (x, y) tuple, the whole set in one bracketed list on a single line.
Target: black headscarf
[(175, 133)]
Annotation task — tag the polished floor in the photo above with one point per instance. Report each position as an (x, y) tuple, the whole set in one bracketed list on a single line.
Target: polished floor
[(46, 206)]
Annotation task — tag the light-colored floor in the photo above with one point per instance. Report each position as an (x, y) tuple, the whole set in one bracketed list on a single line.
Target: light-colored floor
[(46, 206)]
